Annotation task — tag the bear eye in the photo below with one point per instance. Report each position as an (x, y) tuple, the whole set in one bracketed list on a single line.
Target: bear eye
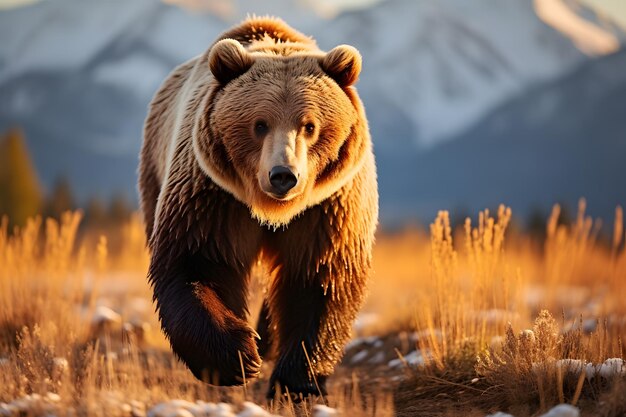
[(261, 128), (309, 128)]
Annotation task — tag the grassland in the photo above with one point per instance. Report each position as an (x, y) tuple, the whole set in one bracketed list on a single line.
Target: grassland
[(473, 320)]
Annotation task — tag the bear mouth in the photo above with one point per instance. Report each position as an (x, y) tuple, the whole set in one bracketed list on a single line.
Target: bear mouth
[(283, 198), (272, 194)]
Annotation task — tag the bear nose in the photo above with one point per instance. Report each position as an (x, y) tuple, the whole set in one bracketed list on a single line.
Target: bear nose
[(282, 179)]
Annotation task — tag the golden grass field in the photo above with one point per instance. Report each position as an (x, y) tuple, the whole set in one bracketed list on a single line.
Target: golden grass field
[(470, 321)]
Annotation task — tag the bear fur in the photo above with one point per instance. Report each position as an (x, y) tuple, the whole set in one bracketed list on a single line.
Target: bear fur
[(263, 95)]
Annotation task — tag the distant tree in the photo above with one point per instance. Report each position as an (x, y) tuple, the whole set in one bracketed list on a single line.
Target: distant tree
[(536, 223), (61, 198), (20, 190), (95, 213), (120, 209)]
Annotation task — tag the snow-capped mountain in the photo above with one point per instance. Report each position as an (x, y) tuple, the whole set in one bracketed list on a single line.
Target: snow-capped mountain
[(77, 75), (558, 141)]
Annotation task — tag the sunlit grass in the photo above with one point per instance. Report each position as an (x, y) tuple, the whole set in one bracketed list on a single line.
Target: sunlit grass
[(492, 316), (496, 317)]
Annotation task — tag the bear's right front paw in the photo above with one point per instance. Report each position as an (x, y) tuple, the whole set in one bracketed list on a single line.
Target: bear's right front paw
[(296, 387)]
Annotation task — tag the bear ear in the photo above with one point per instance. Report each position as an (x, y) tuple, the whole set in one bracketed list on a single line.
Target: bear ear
[(228, 60), (343, 64)]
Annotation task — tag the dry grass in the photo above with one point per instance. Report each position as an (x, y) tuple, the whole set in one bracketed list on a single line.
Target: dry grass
[(481, 313), (482, 351)]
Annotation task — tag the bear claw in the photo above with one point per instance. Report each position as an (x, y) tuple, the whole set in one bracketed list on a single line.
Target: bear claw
[(298, 391)]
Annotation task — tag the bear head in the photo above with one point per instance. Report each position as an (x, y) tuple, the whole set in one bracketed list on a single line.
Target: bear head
[(281, 130)]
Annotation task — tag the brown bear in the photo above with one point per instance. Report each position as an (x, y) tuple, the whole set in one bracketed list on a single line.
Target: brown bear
[(259, 151)]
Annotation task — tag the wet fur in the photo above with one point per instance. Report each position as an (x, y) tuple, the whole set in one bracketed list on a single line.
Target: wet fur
[(205, 232)]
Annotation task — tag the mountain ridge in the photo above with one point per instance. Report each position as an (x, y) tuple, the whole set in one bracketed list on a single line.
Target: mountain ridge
[(467, 63)]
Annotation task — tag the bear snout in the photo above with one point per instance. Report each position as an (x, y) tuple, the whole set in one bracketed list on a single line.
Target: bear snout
[(282, 179)]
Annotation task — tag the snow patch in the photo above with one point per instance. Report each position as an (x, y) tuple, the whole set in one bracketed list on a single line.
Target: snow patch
[(378, 358), (251, 409), (183, 408), (359, 356), (612, 367), (414, 358), (44, 404), (562, 410), (370, 341), (324, 411)]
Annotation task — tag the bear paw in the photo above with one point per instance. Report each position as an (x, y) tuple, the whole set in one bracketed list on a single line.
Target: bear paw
[(297, 389), (230, 359)]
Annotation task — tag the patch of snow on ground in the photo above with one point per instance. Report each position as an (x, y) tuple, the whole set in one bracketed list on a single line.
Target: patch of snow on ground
[(25, 405), (358, 357), (251, 409), (612, 367), (570, 365), (413, 358), (366, 341), (378, 358), (562, 410), (324, 411), (182, 408), (576, 366)]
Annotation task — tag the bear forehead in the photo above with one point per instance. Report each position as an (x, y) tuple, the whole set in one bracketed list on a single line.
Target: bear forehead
[(282, 93), (292, 81), (285, 67)]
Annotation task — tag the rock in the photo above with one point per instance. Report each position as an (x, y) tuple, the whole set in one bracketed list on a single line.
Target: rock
[(104, 314)]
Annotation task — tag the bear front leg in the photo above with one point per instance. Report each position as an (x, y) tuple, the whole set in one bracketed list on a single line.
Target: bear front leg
[(314, 317), (265, 329), (202, 308)]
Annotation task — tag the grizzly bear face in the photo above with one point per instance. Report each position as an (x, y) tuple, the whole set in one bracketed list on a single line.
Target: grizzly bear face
[(281, 131)]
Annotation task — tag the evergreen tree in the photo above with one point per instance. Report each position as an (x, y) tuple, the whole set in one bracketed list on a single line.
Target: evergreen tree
[(20, 190), (61, 199)]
